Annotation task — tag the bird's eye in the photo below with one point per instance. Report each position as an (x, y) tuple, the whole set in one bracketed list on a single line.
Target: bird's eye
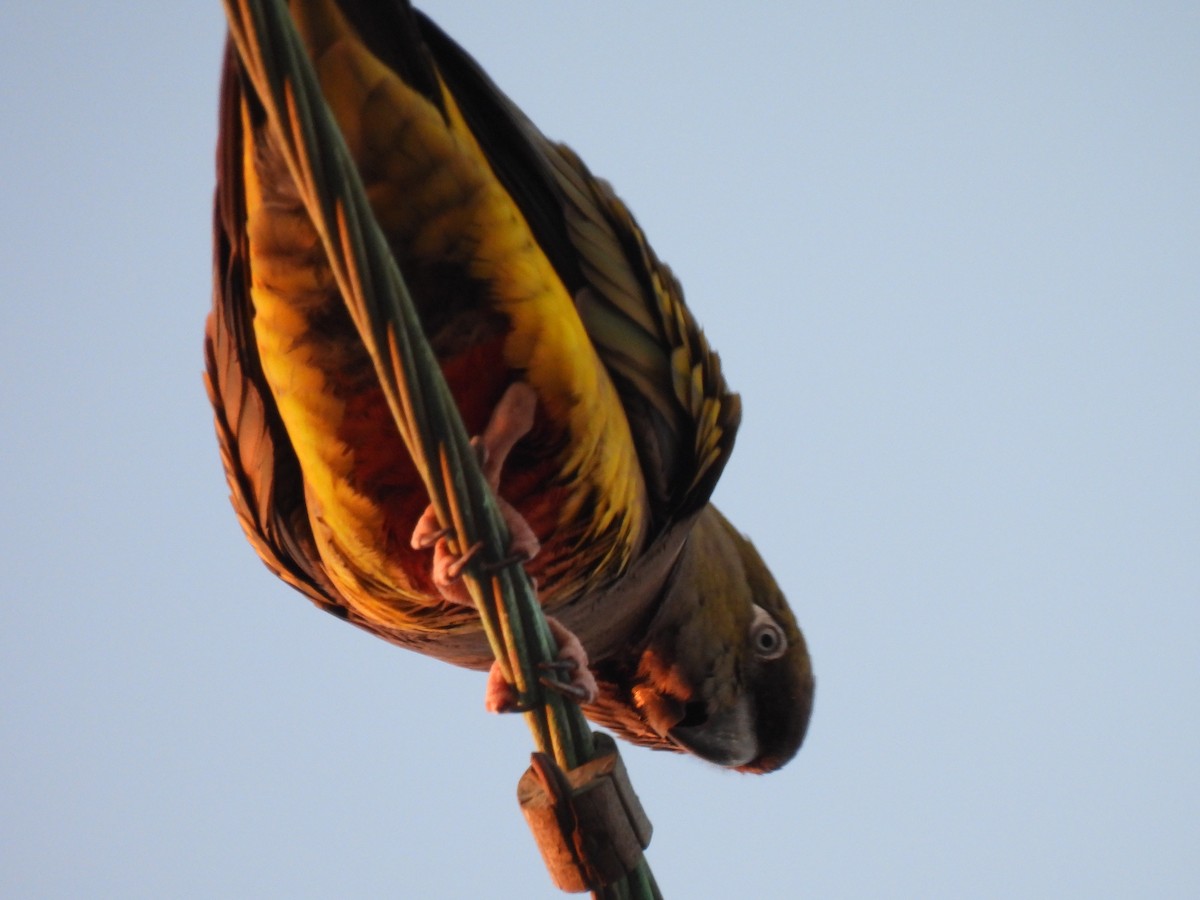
[(766, 637)]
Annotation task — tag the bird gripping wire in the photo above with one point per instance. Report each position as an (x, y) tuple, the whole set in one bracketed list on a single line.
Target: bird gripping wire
[(425, 414)]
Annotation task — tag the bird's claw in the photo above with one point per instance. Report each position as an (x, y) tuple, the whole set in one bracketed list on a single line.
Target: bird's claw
[(565, 666), (428, 530), (452, 571), (423, 540), (568, 665), (573, 661), (568, 689), (580, 685), (513, 559), (503, 697)]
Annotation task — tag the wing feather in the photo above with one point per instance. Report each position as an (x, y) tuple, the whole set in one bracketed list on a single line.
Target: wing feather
[(683, 415), (262, 471)]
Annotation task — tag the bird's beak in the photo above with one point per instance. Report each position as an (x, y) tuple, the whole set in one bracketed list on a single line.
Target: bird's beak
[(725, 737)]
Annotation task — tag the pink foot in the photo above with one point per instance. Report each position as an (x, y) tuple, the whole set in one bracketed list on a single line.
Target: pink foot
[(499, 696), (572, 659), (510, 421)]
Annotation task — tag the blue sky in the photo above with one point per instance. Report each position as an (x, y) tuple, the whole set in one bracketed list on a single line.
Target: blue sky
[(948, 253)]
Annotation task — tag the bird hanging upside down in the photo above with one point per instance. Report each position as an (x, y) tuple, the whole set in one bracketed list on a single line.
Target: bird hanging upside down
[(603, 419)]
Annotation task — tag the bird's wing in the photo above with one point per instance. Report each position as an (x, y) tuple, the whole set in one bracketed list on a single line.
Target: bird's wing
[(682, 413), (262, 470)]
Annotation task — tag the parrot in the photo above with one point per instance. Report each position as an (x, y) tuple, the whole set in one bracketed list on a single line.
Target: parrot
[(602, 417)]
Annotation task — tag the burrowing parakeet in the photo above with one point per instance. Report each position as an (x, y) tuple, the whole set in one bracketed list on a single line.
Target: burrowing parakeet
[(546, 308)]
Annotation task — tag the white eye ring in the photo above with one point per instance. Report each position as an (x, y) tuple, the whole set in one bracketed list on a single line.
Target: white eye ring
[(766, 637)]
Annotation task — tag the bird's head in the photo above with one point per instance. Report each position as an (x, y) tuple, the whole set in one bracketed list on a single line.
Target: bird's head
[(723, 672)]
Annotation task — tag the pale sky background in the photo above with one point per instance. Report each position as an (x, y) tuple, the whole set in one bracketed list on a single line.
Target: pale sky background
[(950, 254)]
